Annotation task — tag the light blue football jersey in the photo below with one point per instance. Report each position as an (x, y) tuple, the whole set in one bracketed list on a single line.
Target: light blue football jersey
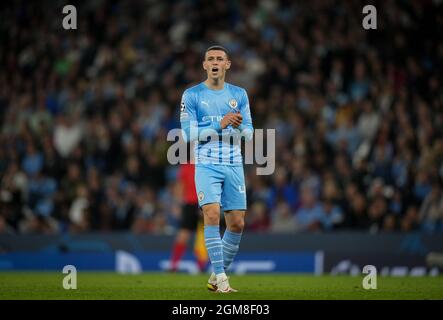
[(201, 111)]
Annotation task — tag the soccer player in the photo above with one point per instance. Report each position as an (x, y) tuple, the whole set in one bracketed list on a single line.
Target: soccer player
[(189, 222), (210, 112)]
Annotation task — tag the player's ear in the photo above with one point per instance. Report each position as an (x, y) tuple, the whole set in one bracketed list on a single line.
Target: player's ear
[(205, 65), (228, 64)]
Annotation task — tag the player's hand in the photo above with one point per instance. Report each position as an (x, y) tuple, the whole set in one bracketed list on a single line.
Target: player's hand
[(237, 120), (234, 119)]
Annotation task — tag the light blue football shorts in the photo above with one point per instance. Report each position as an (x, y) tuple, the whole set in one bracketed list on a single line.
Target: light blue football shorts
[(221, 184)]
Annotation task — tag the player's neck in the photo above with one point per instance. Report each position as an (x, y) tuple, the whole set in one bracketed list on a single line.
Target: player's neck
[(215, 84)]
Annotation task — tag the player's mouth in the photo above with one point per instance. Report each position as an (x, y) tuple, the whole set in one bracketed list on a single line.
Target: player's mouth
[(214, 69)]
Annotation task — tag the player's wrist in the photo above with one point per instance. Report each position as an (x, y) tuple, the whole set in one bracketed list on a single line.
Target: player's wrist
[(224, 123)]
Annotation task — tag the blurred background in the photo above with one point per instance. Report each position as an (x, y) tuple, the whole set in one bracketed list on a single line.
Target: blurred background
[(358, 116)]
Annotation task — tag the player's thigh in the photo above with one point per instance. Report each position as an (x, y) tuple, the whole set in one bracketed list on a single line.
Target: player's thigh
[(208, 184), (234, 190)]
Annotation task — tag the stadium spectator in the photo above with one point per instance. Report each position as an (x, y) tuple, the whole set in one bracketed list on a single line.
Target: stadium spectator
[(310, 215), (4, 227), (282, 219), (431, 210)]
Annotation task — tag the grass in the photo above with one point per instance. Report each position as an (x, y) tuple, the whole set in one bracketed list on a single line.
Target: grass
[(164, 286)]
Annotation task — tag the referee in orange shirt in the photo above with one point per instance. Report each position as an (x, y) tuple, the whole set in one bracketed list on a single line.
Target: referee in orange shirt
[(190, 222)]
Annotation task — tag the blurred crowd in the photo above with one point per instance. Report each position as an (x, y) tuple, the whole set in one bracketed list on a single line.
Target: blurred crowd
[(358, 113)]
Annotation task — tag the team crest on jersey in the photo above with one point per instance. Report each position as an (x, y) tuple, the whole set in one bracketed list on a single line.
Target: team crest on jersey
[(201, 196), (233, 103)]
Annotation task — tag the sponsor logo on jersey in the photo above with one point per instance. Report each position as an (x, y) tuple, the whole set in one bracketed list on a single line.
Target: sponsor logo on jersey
[(212, 118)]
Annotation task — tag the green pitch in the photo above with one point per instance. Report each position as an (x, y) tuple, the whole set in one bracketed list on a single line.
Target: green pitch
[(164, 286)]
